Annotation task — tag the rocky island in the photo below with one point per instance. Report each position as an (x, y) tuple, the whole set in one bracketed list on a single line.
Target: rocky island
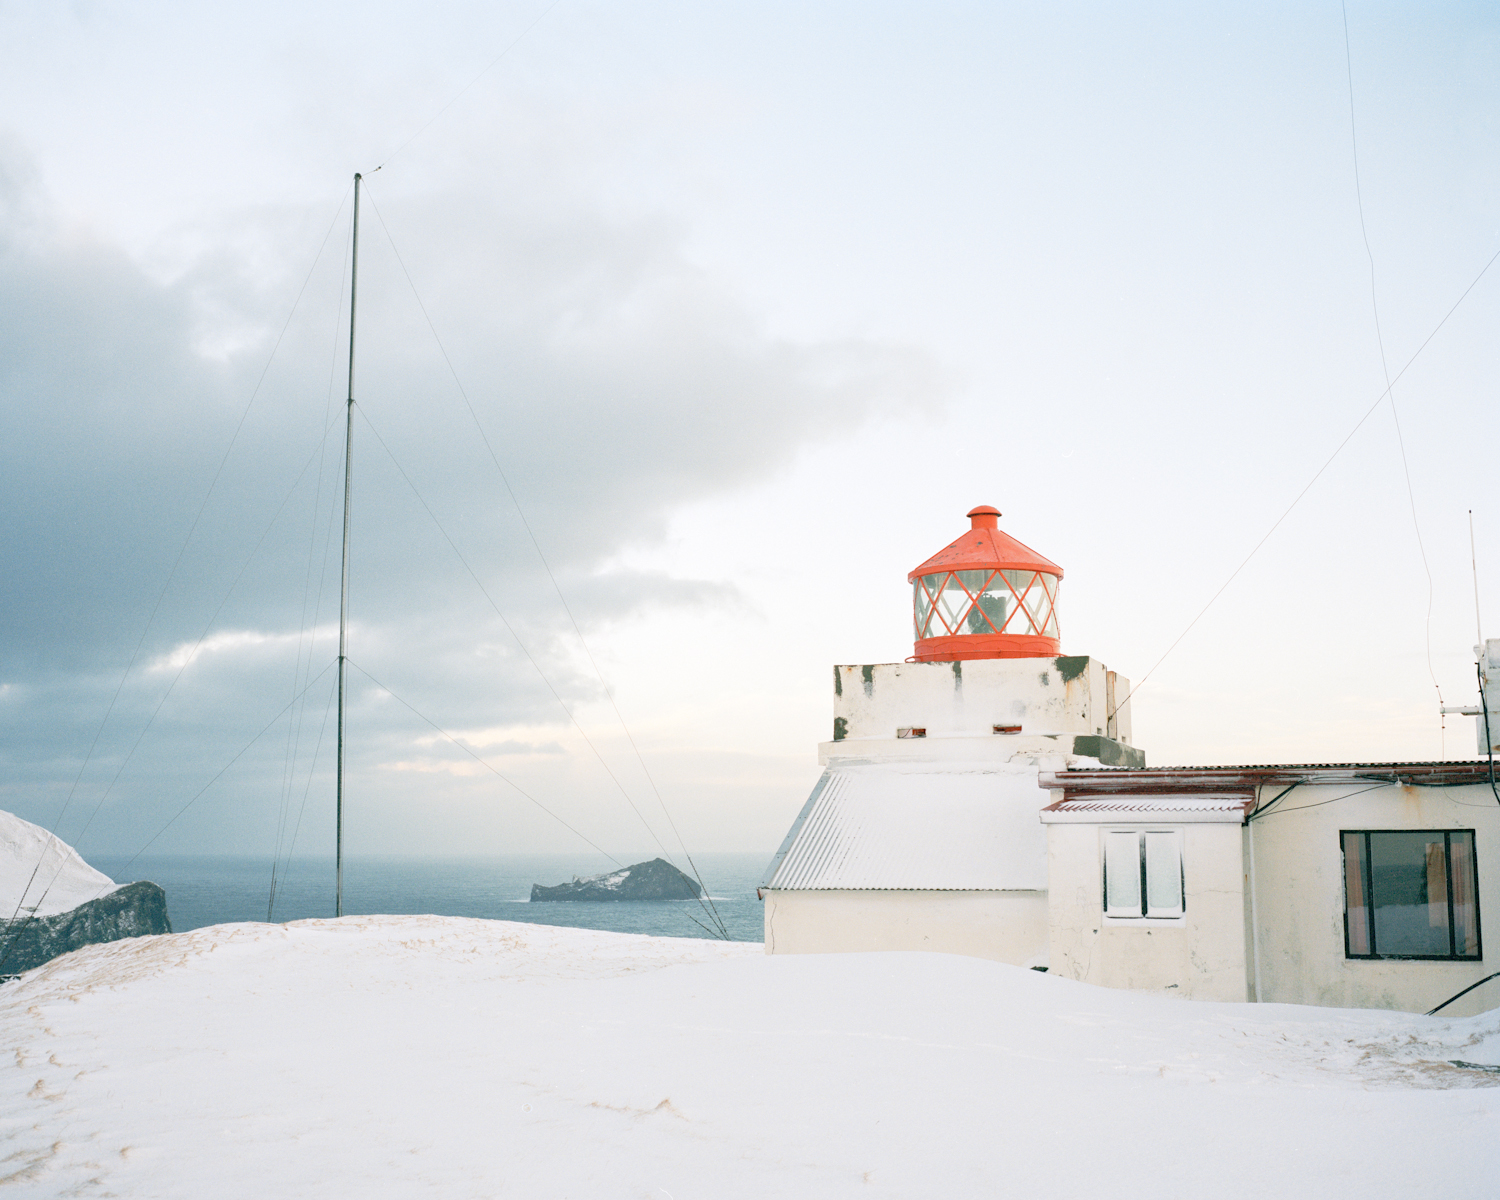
[(654, 880), (51, 901)]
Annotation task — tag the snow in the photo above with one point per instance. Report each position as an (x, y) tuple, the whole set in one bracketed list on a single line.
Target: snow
[(423, 1056), (42, 873)]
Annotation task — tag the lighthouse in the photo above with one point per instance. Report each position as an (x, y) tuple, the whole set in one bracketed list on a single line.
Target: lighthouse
[(924, 830)]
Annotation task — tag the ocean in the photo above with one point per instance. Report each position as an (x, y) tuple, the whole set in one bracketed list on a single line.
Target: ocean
[(215, 890)]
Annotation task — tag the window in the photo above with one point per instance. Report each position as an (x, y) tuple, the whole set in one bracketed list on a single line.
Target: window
[(984, 602), (1410, 894), (1143, 874)]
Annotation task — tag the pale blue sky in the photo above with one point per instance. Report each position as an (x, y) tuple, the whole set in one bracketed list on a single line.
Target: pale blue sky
[(756, 302)]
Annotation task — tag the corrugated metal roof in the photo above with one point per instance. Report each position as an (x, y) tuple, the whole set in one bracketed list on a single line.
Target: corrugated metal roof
[(1094, 781), (1215, 807), (919, 827)]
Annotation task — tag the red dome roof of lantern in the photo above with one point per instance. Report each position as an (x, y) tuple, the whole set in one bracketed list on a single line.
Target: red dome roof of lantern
[(985, 547)]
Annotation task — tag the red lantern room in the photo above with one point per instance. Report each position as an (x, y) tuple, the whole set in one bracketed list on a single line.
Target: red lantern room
[(985, 596)]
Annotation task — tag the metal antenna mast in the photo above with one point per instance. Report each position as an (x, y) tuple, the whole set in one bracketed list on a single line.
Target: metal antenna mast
[(338, 894)]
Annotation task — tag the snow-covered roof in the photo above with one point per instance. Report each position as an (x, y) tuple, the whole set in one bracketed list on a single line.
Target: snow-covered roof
[(919, 827), (1175, 809), (42, 875)]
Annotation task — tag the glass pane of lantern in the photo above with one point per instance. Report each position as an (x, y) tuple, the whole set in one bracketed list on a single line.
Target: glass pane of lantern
[(953, 602), (1028, 589), (921, 608), (1049, 583), (992, 608), (973, 583)]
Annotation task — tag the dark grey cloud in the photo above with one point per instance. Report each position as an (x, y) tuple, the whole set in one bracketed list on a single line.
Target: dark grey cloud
[(613, 379)]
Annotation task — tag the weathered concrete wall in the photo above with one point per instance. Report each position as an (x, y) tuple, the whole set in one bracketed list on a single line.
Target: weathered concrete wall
[(1200, 956), (1008, 927), (1299, 905), (1042, 695)]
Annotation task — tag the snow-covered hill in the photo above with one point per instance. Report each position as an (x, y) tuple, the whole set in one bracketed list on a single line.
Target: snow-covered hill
[(424, 1056), (40, 874)]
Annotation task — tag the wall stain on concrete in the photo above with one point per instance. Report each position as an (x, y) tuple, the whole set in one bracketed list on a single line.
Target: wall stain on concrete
[(868, 671), (840, 729), (1071, 666), (838, 683)]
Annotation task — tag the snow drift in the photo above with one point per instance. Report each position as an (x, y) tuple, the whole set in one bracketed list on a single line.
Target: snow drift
[(424, 1056)]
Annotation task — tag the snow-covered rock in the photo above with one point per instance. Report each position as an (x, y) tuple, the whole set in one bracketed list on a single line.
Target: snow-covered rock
[(41, 875), (654, 880), (51, 901), (424, 1056)]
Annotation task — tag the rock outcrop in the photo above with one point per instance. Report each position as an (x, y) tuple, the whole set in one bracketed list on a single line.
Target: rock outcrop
[(654, 880), (135, 910)]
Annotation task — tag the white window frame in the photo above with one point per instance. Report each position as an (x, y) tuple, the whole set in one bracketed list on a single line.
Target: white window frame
[(1157, 852)]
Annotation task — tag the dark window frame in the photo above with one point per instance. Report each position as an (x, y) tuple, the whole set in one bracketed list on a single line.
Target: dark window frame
[(1369, 891)]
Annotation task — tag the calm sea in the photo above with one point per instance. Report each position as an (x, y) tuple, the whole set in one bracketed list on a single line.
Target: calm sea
[(210, 891)]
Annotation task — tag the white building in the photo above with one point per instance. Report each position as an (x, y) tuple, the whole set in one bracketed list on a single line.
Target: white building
[(1342, 884), (922, 832)]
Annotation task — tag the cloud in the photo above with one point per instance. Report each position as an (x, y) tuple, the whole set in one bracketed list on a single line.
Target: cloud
[(611, 378)]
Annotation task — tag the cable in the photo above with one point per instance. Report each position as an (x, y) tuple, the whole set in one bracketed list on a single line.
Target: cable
[(307, 788), (1265, 808), (1317, 475), (295, 743), (197, 645), (1432, 1012), (11, 940), (1489, 739), (546, 566), (1335, 799), (177, 562), (1411, 495), (518, 640)]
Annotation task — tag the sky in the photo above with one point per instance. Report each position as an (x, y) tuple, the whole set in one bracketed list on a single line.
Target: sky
[(686, 332)]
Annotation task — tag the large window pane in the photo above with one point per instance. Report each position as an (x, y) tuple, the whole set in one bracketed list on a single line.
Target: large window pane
[(1356, 907), (1465, 894), (1122, 874), (1163, 874), (1409, 882)]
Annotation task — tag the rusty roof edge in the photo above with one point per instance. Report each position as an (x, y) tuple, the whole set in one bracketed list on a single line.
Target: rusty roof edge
[(1118, 780)]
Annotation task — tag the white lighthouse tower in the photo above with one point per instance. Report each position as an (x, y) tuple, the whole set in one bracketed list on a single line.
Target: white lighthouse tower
[(924, 832)]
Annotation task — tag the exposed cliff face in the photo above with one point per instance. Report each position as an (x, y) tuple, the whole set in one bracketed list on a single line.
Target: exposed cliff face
[(654, 880), (135, 910)]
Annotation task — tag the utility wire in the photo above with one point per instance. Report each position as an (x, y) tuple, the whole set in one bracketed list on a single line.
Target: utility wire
[(518, 640), (546, 566), (507, 780), (1297, 499), (16, 934), (1364, 233), (193, 654), (186, 541), (312, 769), (295, 722)]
